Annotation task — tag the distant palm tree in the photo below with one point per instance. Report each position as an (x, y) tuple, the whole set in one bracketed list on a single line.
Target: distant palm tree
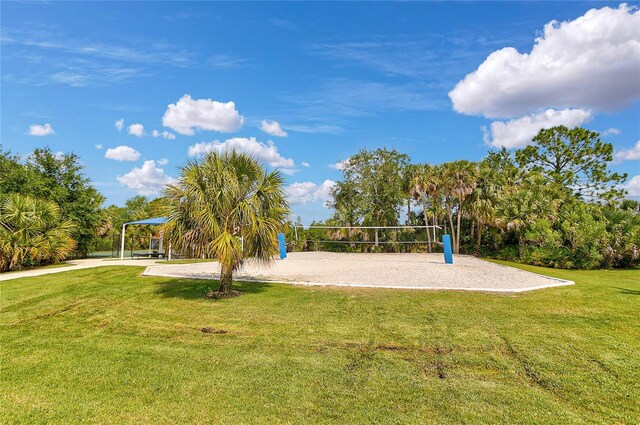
[(530, 201), (482, 204), (434, 186), (408, 175), (221, 199), (482, 209), (460, 179), (31, 232), (418, 186)]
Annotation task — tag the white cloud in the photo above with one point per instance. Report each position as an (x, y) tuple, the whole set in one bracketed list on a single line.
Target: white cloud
[(162, 161), (340, 165), (591, 62), (146, 180), (305, 164), (289, 171), (266, 152), (273, 128), (98, 146), (628, 154), (519, 132), (612, 130), (119, 124), (122, 153), (40, 130), (59, 155), (188, 114), (136, 130), (633, 187), (227, 61), (164, 134), (306, 192)]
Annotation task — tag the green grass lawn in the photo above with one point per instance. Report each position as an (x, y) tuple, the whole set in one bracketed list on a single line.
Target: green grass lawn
[(106, 345)]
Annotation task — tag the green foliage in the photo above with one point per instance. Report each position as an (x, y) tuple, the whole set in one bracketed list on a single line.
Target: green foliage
[(221, 199), (622, 246), (573, 240), (32, 232), (554, 203), (372, 189), (57, 178), (539, 206), (14, 176), (573, 159)]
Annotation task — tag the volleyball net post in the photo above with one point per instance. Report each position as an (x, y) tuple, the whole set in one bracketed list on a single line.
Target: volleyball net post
[(446, 247)]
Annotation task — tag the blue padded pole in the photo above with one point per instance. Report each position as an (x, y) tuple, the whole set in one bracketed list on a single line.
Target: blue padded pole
[(446, 244), (283, 246)]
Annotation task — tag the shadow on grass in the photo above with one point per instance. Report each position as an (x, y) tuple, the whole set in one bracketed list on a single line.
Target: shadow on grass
[(196, 288), (629, 291)]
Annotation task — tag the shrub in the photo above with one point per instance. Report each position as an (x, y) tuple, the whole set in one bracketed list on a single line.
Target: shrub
[(32, 233)]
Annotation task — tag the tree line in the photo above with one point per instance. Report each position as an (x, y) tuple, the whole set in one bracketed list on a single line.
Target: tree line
[(554, 203), (49, 210)]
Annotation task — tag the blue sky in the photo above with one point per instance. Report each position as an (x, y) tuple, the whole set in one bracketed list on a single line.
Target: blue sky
[(433, 80)]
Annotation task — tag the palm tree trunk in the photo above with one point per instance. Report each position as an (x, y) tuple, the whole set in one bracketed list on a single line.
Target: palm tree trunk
[(453, 230), (426, 221), (479, 240), (459, 215), (435, 219), (226, 279), (521, 244)]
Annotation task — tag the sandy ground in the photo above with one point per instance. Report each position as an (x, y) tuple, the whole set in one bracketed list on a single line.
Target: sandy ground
[(406, 271)]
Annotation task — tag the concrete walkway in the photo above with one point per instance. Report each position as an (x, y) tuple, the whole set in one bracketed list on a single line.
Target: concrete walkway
[(77, 265)]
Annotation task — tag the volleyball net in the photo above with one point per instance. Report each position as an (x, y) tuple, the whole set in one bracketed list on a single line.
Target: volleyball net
[(390, 238)]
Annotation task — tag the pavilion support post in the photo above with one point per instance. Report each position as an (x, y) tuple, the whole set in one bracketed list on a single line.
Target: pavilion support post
[(124, 226)]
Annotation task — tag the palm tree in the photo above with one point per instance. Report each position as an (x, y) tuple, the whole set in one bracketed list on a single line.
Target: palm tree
[(221, 200), (460, 179), (418, 186), (482, 205), (482, 209), (32, 232), (409, 173), (529, 202), (433, 183)]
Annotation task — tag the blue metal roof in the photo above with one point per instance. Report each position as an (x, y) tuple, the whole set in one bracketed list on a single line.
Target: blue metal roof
[(156, 221)]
